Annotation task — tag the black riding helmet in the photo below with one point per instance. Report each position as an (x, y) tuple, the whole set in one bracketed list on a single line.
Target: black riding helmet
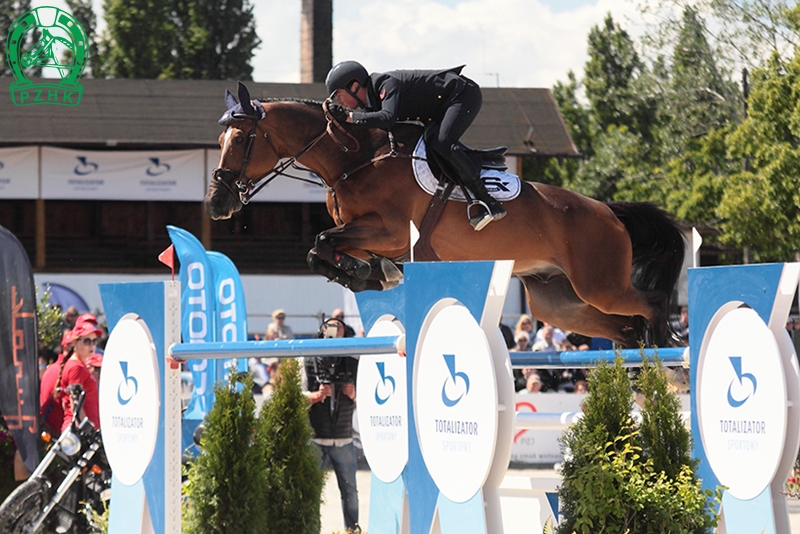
[(343, 74)]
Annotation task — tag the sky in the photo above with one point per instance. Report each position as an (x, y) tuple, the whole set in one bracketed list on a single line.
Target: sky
[(510, 43), (505, 43)]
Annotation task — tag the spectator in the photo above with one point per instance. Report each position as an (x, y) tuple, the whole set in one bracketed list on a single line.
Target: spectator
[(338, 314), (278, 328), (680, 328), (94, 364), (73, 371), (70, 318), (534, 383), (508, 335), (558, 335), (332, 396), (581, 386), (547, 343), (260, 374), (521, 342), (524, 324), (580, 342), (50, 413)]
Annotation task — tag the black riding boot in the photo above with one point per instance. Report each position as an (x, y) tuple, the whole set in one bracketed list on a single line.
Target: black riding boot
[(484, 208)]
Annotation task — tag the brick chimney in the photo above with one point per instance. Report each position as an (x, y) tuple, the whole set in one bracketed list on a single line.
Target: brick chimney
[(316, 40)]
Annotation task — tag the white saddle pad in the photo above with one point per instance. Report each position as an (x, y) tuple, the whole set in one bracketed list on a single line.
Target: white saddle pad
[(501, 185)]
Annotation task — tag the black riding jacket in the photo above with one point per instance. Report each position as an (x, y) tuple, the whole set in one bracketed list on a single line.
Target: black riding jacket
[(407, 95)]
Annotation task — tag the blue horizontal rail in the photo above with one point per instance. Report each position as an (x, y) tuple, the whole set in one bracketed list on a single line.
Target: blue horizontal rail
[(586, 358), (285, 348), (295, 348)]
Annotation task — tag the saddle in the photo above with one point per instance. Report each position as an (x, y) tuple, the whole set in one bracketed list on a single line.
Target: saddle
[(492, 159)]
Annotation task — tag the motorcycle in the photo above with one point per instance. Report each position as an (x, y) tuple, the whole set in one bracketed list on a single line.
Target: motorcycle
[(72, 478)]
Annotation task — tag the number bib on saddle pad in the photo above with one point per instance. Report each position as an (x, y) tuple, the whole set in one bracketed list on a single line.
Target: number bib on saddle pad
[(501, 185)]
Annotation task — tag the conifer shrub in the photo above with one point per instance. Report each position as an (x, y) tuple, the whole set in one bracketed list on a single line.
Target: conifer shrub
[(620, 476), (227, 483), (294, 478)]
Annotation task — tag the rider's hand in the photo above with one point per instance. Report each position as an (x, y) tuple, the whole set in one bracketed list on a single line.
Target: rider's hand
[(349, 389), (339, 113)]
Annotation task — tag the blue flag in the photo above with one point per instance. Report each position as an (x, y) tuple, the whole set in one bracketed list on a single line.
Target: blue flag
[(197, 316), (230, 310)]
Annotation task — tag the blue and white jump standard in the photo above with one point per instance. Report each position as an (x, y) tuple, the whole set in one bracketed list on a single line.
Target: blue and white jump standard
[(437, 424)]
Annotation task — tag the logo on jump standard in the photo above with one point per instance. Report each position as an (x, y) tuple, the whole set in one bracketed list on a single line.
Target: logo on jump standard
[(62, 46)]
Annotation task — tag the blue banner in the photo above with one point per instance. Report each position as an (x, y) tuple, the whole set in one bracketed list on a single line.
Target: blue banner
[(197, 316), (230, 315)]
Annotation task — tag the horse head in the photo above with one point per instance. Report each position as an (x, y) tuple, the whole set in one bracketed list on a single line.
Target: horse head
[(237, 168)]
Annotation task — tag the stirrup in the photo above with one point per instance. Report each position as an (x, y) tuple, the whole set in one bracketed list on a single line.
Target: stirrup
[(484, 216)]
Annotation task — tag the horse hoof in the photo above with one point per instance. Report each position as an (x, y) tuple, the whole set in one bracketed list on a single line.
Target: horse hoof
[(390, 272)]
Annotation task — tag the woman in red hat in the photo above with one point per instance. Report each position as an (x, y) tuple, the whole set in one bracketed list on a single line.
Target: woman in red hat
[(73, 370)]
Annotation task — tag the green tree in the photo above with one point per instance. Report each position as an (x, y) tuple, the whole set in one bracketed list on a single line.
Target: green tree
[(619, 123), (227, 483), (698, 103), (185, 39), (49, 322), (699, 99), (741, 32), (139, 38), (619, 476), (215, 40), (9, 11), (83, 11), (760, 206), (561, 171), (610, 78), (294, 477), (664, 436)]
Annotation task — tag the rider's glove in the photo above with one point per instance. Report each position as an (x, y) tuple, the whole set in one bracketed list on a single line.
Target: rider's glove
[(340, 113)]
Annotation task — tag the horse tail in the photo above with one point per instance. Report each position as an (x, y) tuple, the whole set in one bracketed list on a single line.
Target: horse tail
[(658, 247)]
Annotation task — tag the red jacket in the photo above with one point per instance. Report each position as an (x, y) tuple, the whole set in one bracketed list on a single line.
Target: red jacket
[(75, 372), (50, 411)]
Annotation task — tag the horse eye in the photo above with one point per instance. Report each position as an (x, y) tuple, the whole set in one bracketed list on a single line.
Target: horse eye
[(238, 140)]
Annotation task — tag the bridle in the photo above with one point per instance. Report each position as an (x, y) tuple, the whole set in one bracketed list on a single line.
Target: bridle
[(243, 188)]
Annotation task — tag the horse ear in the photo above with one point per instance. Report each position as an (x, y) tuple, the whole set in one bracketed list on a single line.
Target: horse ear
[(244, 99), (230, 101)]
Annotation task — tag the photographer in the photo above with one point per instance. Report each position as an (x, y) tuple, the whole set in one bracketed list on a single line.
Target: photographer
[(329, 384)]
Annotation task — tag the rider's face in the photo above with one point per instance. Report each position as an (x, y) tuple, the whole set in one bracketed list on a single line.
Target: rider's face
[(343, 98)]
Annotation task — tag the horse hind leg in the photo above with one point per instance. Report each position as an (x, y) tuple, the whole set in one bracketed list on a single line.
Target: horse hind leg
[(556, 302)]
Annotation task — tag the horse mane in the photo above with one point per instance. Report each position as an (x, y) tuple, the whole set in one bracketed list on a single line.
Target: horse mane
[(314, 104)]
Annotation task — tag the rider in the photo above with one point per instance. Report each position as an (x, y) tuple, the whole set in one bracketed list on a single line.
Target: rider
[(444, 98)]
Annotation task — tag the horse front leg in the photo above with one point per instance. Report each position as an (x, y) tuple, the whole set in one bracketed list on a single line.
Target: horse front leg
[(348, 247), (334, 274)]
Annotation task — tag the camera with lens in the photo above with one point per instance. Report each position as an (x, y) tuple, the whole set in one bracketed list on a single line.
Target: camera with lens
[(334, 369)]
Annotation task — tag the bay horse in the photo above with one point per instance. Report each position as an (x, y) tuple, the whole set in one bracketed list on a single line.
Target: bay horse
[(599, 269)]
